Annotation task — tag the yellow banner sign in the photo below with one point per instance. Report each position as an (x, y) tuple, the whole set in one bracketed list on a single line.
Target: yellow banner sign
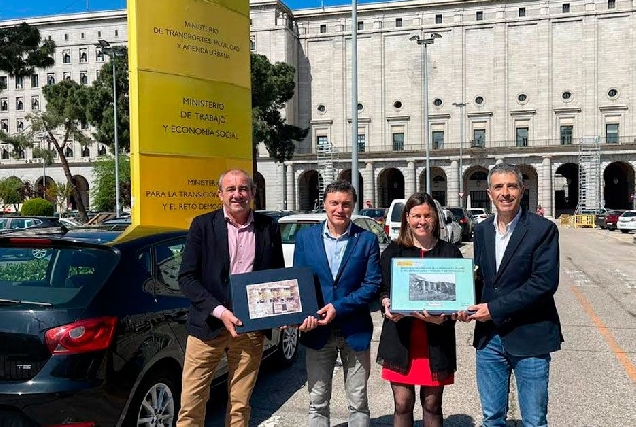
[(190, 104)]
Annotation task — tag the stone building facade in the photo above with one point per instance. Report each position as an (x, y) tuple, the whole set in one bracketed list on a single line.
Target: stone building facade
[(525, 81), (76, 58), (516, 81)]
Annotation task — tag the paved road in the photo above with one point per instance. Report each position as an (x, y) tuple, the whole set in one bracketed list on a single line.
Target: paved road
[(593, 379)]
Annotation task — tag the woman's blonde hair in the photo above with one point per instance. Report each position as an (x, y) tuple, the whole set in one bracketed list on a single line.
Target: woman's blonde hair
[(405, 238)]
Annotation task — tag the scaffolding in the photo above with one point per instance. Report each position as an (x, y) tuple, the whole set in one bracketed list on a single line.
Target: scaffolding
[(325, 152), (589, 175)]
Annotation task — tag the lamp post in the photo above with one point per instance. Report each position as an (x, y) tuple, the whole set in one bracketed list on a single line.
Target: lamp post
[(110, 51), (461, 106), (421, 40), (354, 102), (43, 168)]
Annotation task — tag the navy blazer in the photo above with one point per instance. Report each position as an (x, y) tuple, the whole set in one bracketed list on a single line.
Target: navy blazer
[(520, 295), (355, 286), (205, 267)]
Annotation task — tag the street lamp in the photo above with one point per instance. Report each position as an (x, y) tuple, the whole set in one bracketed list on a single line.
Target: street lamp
[(461, 106), (110, 51), (421, 40)]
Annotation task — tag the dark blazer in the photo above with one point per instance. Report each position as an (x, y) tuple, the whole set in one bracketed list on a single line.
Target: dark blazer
[(355, 286), (205, 267), (520, 295)]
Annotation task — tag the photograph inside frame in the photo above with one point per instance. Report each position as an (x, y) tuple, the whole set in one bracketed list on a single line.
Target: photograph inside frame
[(438, 285), (273, 298)]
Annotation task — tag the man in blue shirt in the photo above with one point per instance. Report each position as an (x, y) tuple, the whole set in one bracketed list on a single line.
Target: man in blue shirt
[(345, 261)]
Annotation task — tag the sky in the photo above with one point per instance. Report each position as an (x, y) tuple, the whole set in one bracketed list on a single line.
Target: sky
[(14, 9)]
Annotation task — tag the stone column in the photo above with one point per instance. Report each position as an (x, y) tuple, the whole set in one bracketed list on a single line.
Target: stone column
[(546, 192), (452, 189), (291, 193), (409, 180), (369, 185)]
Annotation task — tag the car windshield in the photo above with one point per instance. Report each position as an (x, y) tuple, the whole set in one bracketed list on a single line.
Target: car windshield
[(289, 230), (52, 274)]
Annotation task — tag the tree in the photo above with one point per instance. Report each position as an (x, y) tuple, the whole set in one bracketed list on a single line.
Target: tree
[(58, 127), (272, 86), (100, 102), (22, 50), (11, 191), (60, 192), (103, 194)]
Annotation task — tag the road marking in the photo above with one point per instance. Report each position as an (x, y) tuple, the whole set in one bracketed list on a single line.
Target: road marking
[(271, 421), (615, 237), (580, 278), (620, 354)]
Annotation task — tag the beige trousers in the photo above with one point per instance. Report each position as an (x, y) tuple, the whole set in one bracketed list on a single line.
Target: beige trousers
[(202, 359)]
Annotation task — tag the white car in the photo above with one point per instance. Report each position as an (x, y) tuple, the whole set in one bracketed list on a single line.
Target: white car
[(393, 220), (453, 229), (479, 214), (290, 226), (627, 221)]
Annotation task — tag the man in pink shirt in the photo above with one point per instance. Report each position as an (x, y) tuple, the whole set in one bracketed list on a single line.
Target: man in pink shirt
[(230, 240)]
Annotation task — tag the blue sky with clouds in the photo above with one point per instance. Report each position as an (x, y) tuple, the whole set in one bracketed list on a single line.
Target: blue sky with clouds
[(13, 9)]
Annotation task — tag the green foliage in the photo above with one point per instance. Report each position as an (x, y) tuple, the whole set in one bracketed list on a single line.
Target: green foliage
[(100, 102), (37, 207), (60, 192), (103, 191), (57, 128), (11, 190), (66, 106), (22, 50), (34, 269), (272, 86)]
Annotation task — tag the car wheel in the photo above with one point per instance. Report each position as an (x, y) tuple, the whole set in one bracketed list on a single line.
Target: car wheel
[(156, 402), (624, 231), (39, 253), (287, 347)]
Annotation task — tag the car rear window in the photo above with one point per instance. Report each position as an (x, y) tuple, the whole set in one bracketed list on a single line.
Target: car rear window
[(627, 214), (289, 230), (457, 212), (396, 214), (65, 276)]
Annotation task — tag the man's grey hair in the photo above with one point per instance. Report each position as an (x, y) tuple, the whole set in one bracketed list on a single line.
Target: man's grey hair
[(506, 168), (341, 186), (240, 171)]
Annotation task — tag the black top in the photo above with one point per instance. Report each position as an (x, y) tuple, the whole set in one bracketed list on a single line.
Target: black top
[(393, 350)]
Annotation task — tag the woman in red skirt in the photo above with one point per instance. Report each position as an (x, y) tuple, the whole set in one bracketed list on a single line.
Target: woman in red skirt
[(417, 349)]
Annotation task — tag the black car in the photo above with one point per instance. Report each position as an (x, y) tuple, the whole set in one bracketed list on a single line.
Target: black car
[(93, 334), (13, 222), (465, 220)]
